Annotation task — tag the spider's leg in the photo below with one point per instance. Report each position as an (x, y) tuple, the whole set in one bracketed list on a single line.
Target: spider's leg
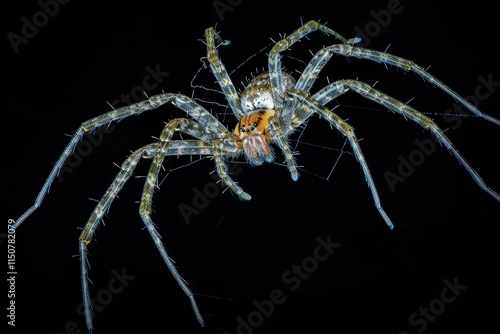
[(322, 57), (282, 45), (403, 109), (194, 129), (220, 73), (399, 107), (280, 139), (177, 147), (221, 169), (68, 150), (227, 144), (184, 147), (313, 68), (325, 95), (348, 132), (150, 225), (102, 207), (194, 110)]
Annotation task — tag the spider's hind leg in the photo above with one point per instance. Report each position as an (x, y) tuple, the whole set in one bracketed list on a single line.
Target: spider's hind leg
[(425, 122), (101, 208), (194, 129), (148, 222), (177, 147)]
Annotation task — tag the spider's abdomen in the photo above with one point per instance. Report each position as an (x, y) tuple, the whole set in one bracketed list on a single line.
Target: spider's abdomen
[(258, 95)]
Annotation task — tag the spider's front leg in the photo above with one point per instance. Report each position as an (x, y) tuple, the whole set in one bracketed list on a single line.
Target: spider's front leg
[(241, 111), (220, 73), (222, 171), (274, 62)]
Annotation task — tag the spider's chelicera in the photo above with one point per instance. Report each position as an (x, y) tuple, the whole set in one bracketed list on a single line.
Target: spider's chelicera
[(269, 109)]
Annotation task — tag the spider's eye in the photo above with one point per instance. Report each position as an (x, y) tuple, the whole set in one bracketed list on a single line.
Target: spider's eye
[(255, 124)]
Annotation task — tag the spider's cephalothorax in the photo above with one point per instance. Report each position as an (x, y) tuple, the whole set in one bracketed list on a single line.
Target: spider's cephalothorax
[(253, 129), (271, 107)]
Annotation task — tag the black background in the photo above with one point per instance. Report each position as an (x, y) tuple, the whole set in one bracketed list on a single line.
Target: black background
[(234, 253)]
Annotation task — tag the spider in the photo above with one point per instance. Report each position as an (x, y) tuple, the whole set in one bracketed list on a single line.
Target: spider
[(271, 107)]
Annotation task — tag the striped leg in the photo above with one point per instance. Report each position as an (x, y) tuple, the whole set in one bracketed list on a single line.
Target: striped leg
[(280, 139), (220, 73), (277, 89), (198, 113), (221, 169), (386, 58), (316, 102), (311, 72), (282, 45), (218, 147), (193, 129), (348, 132), (186, 147), (425, 122)]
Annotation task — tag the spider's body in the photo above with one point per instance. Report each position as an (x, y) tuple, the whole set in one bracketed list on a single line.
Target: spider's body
[(269, 109), (253, 129)]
